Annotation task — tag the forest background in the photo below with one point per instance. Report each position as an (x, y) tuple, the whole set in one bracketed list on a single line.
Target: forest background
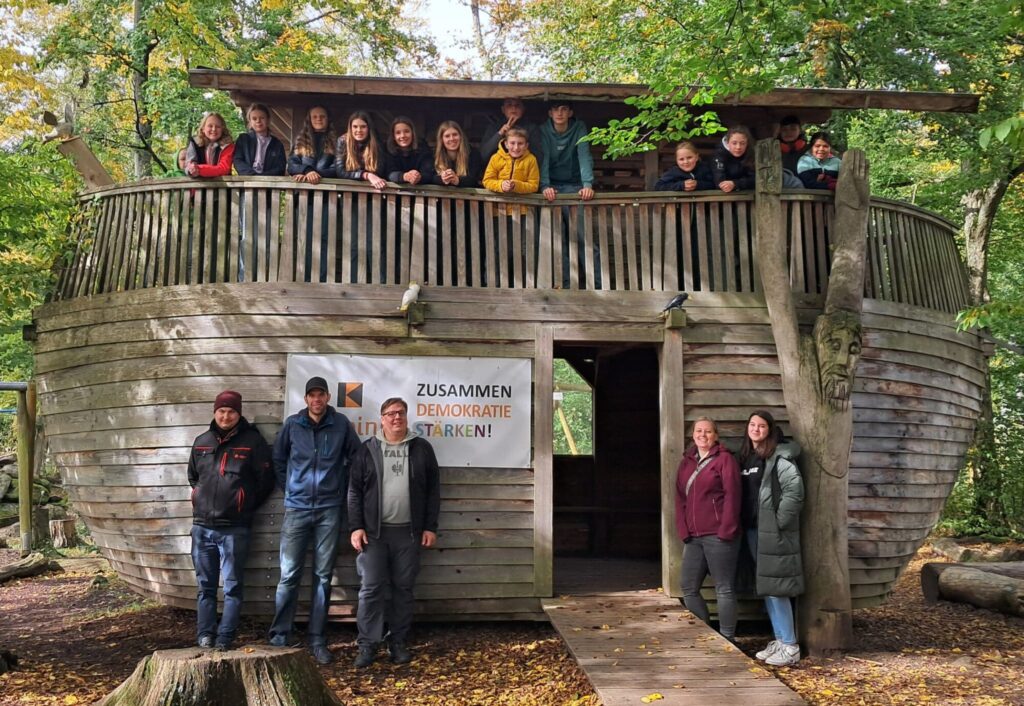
[(123, 66)]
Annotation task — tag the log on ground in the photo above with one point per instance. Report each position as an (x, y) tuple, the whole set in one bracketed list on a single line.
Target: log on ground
[(974, 586), (63, 533), (31, 565), (249, 676)]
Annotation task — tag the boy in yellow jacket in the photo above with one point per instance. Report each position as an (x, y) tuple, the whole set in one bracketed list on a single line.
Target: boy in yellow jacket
[(513, 169)]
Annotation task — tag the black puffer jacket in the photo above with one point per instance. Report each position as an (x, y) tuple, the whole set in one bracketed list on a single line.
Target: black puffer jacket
[(725, 167), (230, 474)]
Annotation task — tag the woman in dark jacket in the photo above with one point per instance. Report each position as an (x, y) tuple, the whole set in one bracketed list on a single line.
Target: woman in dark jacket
[(257, 152), (773, 496), (359, 156), (313, 156), (731, 165), (688, 173), (407, 161), (455, 162), (708, 522)]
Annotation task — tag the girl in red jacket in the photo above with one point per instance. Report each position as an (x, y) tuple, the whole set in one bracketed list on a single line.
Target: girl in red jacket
[(210, 152), (708, 494)]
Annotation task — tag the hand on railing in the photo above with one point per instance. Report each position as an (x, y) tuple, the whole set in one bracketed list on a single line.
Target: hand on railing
[(309, 177), (375, 181)]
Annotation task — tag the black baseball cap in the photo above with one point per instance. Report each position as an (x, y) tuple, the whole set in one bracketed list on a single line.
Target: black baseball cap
[(316, 383)]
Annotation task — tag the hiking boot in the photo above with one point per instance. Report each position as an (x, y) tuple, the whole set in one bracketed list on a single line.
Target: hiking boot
[(321, 654), (222, 645), (205, 641), (365, 657), (400, 654), (768, 651), (784, 656)]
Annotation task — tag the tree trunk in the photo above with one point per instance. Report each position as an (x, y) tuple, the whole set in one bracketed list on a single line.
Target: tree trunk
[(974, 586), (63, 533), (817, 382), (31, 565), (251, 676), (140, 74)]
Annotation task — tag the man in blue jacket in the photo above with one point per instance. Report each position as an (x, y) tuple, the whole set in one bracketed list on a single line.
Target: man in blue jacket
[(311, 457)]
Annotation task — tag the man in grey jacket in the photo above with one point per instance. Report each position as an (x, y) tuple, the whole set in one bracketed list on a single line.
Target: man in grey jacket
[(394, 499)]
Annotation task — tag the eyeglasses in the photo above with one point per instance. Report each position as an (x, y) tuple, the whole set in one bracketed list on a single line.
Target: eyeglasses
[(396, 413)]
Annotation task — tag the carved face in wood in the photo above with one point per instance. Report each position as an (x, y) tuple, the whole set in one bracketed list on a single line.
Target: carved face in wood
[(837, 339)]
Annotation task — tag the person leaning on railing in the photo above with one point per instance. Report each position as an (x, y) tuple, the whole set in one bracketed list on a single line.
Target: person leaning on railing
[(210, 152), (313, 156), (819, 168), (257, 152), (358, 155), (407, 161), (456, 163)]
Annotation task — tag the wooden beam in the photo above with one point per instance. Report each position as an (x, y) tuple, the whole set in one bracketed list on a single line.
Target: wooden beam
[(543, 451), (673, 440)]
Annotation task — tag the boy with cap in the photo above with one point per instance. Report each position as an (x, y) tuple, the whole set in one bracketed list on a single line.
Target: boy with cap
[(311, 458), (230, 474)]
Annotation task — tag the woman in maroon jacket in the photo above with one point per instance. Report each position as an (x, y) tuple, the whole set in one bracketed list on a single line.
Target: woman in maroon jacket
[(708, 496)]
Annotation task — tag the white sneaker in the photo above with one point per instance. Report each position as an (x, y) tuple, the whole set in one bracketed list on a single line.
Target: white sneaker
[(768, 651), (784, 655)]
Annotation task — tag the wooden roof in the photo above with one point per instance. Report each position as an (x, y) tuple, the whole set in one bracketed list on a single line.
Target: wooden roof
[(274, 87)]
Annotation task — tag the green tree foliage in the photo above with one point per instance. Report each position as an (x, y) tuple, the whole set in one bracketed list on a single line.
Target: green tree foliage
[(35, 212), (578, 407), (128, 62)]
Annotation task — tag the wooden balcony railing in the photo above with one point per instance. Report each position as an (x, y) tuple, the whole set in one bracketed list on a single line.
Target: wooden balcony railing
[(181, 231)]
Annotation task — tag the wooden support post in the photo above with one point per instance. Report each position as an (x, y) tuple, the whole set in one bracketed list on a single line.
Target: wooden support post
[(543, 482), (673, 439), (26, 437)]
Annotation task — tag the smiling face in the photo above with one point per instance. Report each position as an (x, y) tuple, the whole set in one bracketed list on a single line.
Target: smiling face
[(359, 129), (316, 401), (686, 159), (737, 144), (704, 435), (213, 128), (403, 135), (821, 150), (451, 139), (259, 122), (395, 421), (226, 418), (757, 430), (516, 146), (318, 119)]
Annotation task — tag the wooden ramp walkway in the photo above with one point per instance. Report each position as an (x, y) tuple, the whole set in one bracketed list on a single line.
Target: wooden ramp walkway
[(638, 643)]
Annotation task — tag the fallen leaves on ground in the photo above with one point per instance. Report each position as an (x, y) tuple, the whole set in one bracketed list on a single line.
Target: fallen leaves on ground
[(908, 652)]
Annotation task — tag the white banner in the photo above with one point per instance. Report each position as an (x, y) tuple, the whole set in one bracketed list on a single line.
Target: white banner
[(473, 411)]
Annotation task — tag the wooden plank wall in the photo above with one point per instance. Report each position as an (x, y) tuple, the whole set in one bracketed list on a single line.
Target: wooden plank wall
[(126, 382)]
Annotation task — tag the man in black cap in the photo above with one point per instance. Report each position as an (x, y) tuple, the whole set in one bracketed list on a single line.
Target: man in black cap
[(230, 474), (311, 458)]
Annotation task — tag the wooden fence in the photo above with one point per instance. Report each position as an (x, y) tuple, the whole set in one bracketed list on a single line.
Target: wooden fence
[(181, 231)]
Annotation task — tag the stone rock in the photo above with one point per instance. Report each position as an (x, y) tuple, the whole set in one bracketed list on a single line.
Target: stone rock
[(5, 484), (8, 459)]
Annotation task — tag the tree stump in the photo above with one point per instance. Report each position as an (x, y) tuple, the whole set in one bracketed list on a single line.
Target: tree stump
[(63, 533), (249, 676)]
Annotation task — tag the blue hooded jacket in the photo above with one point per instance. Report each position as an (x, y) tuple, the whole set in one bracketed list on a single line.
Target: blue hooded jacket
[(311, 459)]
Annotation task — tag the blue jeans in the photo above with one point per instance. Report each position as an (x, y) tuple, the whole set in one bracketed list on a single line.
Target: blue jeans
[(387, 568), (779, 608), (702, 555), (323, 527), (219, 552)]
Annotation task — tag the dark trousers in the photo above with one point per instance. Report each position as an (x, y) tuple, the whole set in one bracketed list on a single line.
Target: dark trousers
[(387, 566), (323, 527), (218, 552), (702, 555)]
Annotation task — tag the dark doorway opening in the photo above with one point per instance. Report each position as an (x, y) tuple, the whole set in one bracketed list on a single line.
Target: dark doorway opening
[(607, 505)]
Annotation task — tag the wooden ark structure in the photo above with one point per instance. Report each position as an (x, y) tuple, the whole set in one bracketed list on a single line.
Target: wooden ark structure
[(149, 321)]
